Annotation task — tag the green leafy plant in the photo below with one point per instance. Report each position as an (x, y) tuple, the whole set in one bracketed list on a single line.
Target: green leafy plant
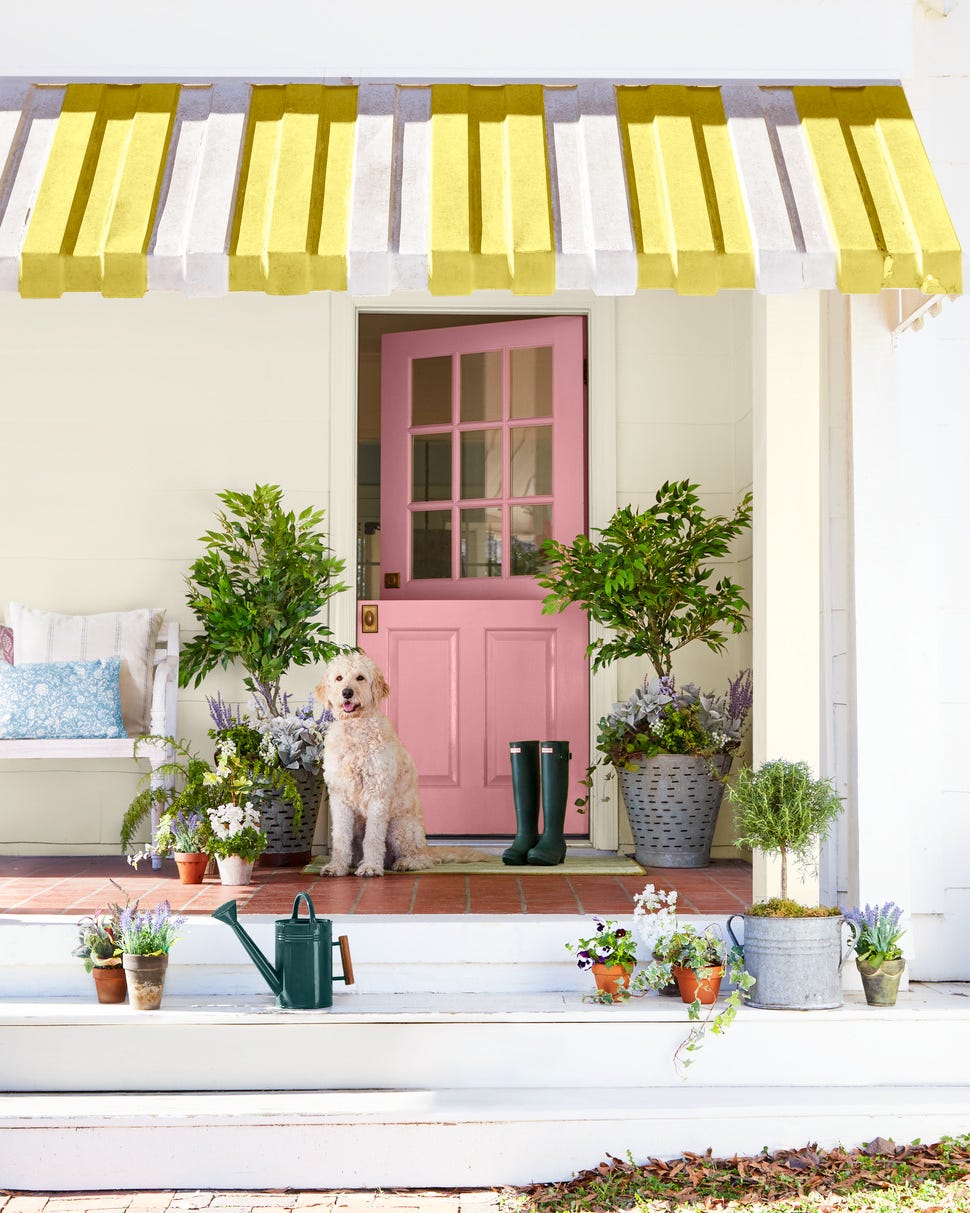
[(782, 810), (648, 579), (99, 936), (258, 591), (244, 768)]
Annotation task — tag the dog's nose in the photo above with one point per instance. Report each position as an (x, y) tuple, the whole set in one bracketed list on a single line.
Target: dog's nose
[(347, 692)]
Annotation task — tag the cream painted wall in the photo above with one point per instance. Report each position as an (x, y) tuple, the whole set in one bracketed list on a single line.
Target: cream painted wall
[(121, 420), (684, 412)]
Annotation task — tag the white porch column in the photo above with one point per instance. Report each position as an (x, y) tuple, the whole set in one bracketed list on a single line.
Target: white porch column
[(786, 591), (894, 492)]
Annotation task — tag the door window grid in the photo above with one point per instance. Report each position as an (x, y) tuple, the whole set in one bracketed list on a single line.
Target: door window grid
[(479, 545)]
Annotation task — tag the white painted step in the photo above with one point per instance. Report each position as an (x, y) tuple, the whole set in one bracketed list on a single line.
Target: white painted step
[(431, 1138), (438, 1041)]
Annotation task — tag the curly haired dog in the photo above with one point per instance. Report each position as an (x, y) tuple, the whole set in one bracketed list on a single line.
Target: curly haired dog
[(375, 809)]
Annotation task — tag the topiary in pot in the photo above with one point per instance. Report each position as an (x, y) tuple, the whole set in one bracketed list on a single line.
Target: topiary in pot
[(793, 952), (649, 580)]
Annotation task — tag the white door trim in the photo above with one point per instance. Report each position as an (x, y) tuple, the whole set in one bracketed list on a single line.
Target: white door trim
[(601, 459)]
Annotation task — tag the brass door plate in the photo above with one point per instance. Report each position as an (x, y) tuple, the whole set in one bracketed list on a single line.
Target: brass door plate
[(368, 617), (392, 581)]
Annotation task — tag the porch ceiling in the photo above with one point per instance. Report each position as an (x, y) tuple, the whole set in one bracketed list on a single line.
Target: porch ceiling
[(205, 189)]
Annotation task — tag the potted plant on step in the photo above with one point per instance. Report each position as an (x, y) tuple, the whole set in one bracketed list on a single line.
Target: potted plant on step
[(648, 579), (99, 946), (187, 835), (879, 958), (610, 954), (259, 594), (793, 952), (146, 939)]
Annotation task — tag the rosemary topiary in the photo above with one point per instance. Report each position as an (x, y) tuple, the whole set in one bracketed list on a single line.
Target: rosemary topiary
[(782, 810)]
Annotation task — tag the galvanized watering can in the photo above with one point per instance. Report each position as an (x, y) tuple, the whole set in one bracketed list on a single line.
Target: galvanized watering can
[(303, 977)]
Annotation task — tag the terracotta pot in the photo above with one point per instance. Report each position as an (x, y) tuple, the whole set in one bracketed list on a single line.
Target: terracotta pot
[(234, 870), (191, 866), (881, 983), (146, 979), (702, 985), (610, 979), (109, 982)]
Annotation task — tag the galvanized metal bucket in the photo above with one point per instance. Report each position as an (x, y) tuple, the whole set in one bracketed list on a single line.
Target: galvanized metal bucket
[(796, 963), (672, 802)]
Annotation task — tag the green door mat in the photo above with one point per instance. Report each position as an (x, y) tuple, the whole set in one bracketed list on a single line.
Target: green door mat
[(582, 865)]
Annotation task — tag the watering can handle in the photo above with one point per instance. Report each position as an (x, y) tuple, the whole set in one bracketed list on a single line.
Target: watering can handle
[(343, 943), (854, 933), (309, 905), (734, 939)]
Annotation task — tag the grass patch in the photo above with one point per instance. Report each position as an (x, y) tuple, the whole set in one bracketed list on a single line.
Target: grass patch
[(879, 1177)]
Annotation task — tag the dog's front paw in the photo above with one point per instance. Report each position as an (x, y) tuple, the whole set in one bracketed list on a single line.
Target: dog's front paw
[(369, 869), (335, 869)]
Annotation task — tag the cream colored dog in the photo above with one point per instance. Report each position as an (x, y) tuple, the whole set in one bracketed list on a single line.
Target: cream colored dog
[(375, 808)]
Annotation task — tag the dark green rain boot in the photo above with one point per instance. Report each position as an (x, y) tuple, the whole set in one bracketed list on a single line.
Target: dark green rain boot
[(554, 759), (524, 756)]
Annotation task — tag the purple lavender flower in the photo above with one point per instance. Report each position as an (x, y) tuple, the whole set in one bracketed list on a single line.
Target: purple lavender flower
[(740, 694), (223, 716), (667, 685)]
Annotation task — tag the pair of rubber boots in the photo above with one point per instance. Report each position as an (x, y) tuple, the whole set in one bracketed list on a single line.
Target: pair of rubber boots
[(530, 760)]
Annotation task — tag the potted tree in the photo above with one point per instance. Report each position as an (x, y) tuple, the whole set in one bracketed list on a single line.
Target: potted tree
[(258, 593), (793, 952), (648, 579)]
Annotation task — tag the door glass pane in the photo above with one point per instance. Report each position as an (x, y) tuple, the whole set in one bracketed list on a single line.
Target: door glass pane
[(531, 461), (431, 391), (531, 382), (431, 467), (481, 542), (430, 544), (481, 386), (530, 526), (481, 464)]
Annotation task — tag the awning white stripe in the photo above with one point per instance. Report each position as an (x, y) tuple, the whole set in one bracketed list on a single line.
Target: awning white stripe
[(799, 183), (370, 256), (26, 136), (412, 175)]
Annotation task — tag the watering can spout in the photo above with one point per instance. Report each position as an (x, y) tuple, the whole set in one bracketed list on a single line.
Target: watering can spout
[(227, 913)]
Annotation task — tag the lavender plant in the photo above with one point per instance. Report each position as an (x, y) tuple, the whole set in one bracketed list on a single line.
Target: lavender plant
[(148, 932), (877, 932)]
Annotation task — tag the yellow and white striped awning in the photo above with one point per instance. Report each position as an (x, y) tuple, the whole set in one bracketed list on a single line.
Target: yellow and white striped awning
[(452, 188)]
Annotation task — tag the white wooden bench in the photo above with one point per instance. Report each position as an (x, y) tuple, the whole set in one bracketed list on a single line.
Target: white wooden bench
[(162, 723)]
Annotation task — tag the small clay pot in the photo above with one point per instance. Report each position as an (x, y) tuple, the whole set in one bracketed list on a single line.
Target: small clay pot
[(191, 866), (702, 985), (881, 983), (109, 982), (611, 979), (146, 980)]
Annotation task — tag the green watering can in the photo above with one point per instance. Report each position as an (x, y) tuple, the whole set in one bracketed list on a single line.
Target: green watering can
[(303, 978)]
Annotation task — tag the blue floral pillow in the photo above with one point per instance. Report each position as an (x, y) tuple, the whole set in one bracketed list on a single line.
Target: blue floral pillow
[(59, 699)]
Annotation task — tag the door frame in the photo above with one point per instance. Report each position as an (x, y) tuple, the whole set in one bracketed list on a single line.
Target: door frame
[(600, 316)]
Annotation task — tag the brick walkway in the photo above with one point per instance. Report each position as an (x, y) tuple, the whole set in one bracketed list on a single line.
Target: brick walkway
[(75, 885), (387, 1201)]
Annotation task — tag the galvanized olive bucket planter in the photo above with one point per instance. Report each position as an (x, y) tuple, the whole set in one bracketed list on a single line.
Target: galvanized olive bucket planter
[(672, 802), (796, 963), (287, 846)]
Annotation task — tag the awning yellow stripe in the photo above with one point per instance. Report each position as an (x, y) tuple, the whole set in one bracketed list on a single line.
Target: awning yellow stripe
[(291, 223), (688, 213), (96, 205), (491, 207), (889, 223)]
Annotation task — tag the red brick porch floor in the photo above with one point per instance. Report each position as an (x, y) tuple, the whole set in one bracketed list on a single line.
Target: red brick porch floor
[(78, 885)]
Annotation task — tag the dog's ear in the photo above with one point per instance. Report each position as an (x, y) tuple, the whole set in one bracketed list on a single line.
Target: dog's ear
[(380, 684), (322, 690)]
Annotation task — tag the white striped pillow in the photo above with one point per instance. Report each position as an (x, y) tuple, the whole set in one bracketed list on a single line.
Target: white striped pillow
[(130, 635)]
